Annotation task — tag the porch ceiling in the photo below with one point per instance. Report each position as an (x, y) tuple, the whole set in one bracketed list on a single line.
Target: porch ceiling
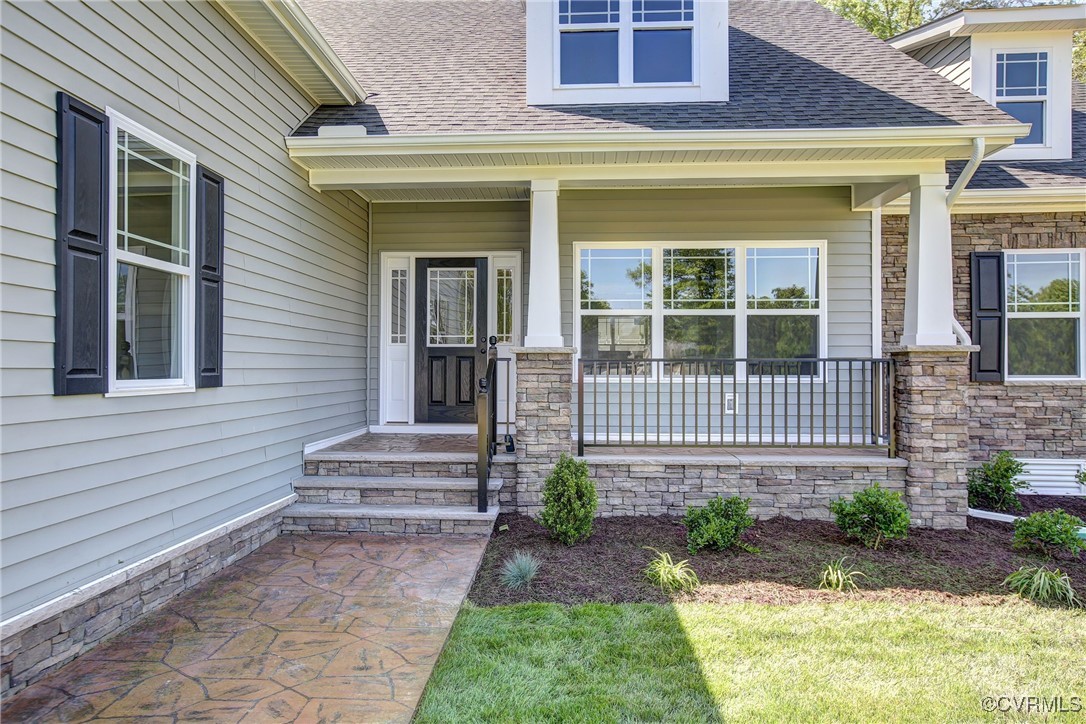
[(502, 165)]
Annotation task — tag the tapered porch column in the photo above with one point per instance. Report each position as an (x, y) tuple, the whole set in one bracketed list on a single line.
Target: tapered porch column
[(544, 287), (929, 271)]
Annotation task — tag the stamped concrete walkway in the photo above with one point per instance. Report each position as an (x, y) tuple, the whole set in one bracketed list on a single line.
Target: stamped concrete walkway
[(306, 629)]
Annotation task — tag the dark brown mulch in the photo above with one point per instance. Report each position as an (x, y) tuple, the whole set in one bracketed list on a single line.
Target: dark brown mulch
[(1076, 506), (966, 566)]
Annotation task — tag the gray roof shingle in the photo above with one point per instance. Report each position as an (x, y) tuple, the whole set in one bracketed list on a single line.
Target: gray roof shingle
[(458, 66)]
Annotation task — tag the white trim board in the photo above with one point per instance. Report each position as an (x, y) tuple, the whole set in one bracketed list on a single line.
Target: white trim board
[(84, 593), (330, 441)]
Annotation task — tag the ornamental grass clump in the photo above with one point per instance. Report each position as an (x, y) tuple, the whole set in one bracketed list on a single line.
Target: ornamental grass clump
[(1041, 585), (873, 516), (519, 570), (670, 576), (718, 525), (569, 501), (837, 576), (1049, 531), (995, 484)]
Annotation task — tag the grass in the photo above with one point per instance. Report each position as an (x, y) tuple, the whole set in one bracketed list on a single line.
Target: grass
[(848, 661)]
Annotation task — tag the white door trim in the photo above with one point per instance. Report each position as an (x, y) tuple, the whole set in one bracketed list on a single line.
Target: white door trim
[(396, 259)]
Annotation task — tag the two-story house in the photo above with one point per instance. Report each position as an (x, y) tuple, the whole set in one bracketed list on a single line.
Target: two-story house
[(293, 266)]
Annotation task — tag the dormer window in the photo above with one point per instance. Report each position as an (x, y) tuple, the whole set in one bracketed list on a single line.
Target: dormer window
[(619, 42), (1021, 89), (627, 51)]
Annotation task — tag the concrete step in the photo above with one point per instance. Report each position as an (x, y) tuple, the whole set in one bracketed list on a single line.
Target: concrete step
[(302, 518), (403, 464), (392, 490)]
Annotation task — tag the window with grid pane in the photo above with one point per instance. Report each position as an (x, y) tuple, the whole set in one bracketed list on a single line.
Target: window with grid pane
[(1022, 90)]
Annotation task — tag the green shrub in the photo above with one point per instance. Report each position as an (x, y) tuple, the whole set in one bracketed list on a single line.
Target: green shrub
[(1043, 586), (836, 576), (670, 576), (995, 484), (1049, 531), (718, 525), (519, 570), (569, 501), (872, 516)]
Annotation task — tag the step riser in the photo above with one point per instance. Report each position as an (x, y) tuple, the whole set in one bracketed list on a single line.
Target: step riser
[(392, 497), (406, 469), (386, 526)]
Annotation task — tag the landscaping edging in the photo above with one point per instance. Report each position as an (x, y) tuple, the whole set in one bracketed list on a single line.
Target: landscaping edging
[(52, 634), (1006, 518)]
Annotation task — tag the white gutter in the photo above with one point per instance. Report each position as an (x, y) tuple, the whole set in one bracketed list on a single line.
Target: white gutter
[(963, 180), (506, 143)]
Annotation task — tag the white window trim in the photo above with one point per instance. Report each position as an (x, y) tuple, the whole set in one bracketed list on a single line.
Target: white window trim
[(187, 312), (709, 51), (625, 28), (1080, 316), (1046, 131), (741, 313)]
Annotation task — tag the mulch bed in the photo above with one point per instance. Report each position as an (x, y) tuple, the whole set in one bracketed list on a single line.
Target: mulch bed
[(957, 566), (1075, 505)]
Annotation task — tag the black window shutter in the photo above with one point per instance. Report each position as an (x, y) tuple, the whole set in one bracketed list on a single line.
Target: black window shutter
[(81, 354), (210, 230), (989, 306)]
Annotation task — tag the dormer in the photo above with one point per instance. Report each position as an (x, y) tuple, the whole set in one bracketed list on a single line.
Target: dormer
[(1018, 59), (626, 51)]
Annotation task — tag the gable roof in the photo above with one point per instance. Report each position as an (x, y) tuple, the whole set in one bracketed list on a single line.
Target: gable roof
[(458, 66), (994, 20)]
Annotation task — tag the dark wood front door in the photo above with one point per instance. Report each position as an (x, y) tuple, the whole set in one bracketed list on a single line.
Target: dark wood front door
[(450, 337)]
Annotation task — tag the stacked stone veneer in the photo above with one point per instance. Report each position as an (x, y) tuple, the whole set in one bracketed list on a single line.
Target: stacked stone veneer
[(1027, 419), (30, 653), (795, 488), (504, 467), (932, 433), (544, 419)]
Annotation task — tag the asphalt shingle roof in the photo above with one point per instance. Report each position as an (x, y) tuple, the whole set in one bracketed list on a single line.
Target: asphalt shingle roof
[(458, 66)]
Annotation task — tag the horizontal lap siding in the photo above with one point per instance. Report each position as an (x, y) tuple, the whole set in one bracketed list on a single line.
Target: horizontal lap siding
[(737, 215), (441, 227), (89, 483)]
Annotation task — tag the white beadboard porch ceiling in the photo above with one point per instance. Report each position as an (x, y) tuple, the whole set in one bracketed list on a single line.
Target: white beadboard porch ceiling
[(501, 166)]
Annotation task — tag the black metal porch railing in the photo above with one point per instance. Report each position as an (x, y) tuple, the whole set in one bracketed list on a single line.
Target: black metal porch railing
[(486, 417), (817, 402)]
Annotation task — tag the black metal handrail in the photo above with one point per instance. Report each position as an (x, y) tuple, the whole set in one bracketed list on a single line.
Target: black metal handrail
[(486, 417), (809, 402)]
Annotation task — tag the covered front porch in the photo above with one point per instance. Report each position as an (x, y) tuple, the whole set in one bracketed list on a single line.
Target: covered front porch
[(669, 296)]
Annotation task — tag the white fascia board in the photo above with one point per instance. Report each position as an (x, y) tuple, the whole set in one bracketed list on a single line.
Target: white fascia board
[(991, 20), (713, 140), (930, 33), (1009, 201), (289, 17)]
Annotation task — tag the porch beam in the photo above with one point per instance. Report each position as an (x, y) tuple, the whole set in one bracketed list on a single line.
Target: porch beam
[(929, 278), (544, 286), (807, 173), (873, 196)]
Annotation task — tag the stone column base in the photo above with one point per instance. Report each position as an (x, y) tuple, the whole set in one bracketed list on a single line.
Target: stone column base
[(932, 426), (544, 418)]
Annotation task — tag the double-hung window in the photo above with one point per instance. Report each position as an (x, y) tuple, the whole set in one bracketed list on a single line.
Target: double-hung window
[(626, 42), (701, 301), (1021, 89), (1046, 321), (151, 278)]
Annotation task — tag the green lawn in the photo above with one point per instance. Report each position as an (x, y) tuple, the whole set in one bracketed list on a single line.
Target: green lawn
[(847, 661)]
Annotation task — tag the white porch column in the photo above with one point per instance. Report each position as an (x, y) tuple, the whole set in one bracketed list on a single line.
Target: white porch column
[(929, 272), (544, 287)]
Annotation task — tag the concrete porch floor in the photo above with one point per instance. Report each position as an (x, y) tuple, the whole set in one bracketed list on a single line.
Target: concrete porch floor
[(450, 443), (306, 629)]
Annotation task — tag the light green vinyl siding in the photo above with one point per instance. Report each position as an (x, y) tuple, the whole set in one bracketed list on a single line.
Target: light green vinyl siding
[(92, 483)]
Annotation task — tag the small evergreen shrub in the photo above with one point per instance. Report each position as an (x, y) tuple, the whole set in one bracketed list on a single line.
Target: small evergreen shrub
[(1040, 585), (995, 484), (1049, 531), (718, 525), (519, 570), (836, 576), (569, 501), (670, 576), (874, 515)]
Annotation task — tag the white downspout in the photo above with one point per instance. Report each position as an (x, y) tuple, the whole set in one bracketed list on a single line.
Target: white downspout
[(952, 196)]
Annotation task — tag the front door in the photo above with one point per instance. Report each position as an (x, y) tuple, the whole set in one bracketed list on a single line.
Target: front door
[(450, 337)]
